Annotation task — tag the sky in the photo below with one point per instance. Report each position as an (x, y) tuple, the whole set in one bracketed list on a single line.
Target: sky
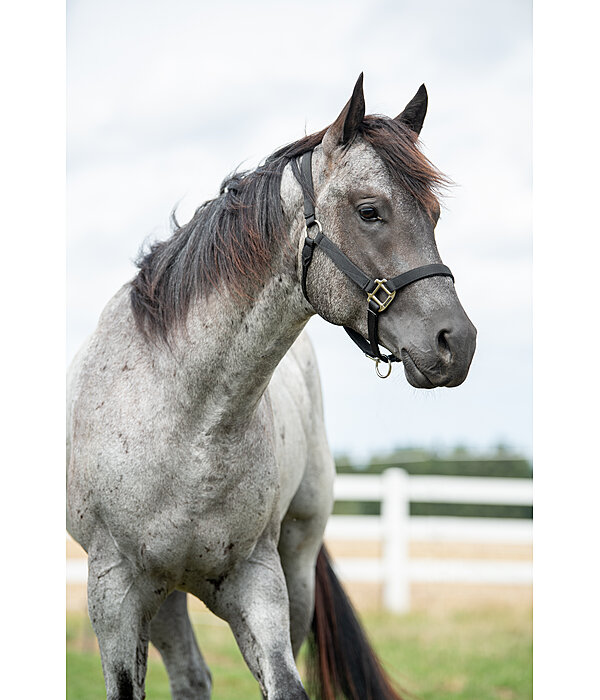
[(166, 98)]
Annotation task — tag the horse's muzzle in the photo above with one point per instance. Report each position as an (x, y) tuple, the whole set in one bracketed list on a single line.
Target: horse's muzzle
[(444, 360)]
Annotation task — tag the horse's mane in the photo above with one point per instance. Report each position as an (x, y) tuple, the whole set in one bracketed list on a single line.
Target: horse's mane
[(229, 240)]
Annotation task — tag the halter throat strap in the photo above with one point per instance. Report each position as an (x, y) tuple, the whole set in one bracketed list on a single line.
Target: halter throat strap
[(380, 292)]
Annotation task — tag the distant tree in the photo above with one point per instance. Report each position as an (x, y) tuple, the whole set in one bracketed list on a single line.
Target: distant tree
[(503, 450), (343, 464), (460, 461), (460, 451)]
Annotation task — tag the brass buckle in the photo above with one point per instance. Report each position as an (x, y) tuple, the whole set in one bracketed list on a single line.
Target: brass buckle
[(371, 296)]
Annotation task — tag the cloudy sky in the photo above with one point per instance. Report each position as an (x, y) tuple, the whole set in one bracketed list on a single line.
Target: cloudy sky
[(166, 98)]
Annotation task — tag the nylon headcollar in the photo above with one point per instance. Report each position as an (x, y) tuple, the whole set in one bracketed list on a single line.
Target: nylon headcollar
[(380, 292)]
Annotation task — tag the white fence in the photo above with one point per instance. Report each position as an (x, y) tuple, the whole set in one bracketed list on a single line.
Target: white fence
[(395, 528)]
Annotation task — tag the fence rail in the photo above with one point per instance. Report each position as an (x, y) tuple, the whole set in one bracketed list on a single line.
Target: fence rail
[(432, 528), (395, 528), (437, 489)]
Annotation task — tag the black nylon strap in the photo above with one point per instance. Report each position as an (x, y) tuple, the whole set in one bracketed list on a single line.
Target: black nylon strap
[(365, 347), (418, 273), (342, 262), (370, 347), (304, 177), (307, 253), (309, 194), (372, 326)]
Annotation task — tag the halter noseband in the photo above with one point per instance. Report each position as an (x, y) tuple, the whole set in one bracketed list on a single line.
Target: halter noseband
[(380, 292)]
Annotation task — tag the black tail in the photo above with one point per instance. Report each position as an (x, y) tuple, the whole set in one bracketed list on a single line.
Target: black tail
[(341, 660)]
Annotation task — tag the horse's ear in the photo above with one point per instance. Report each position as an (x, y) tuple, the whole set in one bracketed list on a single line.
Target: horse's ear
[(414, 113), (345, 127)]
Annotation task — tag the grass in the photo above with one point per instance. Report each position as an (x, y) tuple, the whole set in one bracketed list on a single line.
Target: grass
[(477, 655)]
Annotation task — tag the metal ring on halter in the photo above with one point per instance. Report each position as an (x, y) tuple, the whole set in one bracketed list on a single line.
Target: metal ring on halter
[(318, 224), (389, 364)]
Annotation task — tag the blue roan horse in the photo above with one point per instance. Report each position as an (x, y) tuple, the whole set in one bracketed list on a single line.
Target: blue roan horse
[(197, 456)]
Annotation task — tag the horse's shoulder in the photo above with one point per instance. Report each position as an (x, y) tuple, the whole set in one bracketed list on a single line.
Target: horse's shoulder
[(304, 354), (301, 357), (296, 381)]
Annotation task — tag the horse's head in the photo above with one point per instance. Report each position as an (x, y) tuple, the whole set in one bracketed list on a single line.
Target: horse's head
[(375, 200)]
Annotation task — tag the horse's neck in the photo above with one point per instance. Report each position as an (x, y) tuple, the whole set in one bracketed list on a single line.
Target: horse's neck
[(231, 349)]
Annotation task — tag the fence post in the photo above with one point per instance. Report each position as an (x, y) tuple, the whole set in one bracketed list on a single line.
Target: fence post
[(394, 515)]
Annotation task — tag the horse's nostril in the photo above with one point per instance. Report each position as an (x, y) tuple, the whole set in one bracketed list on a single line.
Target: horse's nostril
[(443, 345)]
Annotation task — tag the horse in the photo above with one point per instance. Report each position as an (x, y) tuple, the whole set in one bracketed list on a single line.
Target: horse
[(197, 459)]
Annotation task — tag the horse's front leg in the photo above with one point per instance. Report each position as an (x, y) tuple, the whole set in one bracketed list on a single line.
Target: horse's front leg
[(121, 601), (172, 634), (253, 599)]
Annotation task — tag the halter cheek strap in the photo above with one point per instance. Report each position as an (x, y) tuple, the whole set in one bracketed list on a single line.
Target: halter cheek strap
[(380, 292)]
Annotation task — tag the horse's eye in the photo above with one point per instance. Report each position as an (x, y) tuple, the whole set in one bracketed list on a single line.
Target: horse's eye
[(369, 213)]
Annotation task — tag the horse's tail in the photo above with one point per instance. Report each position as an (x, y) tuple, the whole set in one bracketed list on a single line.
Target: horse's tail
[(341, 661)]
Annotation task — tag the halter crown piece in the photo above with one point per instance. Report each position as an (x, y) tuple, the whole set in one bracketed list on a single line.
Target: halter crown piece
[(380, 292)]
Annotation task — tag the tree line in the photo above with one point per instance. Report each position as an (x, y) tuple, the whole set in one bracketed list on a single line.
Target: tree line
[(500, 462)]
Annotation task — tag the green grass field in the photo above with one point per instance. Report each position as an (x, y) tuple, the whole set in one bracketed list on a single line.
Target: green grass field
[(476, 655)]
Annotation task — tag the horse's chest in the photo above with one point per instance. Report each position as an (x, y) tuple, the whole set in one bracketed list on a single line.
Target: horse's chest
[(232, 497)]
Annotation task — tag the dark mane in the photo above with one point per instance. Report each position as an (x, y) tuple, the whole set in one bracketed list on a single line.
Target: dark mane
[(229, 239)]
